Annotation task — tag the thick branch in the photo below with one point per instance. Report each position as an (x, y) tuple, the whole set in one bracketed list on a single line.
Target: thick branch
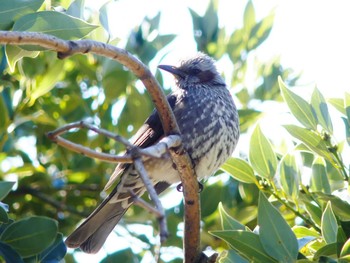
[(180, 158)]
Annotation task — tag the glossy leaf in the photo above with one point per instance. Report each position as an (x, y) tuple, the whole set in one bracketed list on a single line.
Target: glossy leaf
[(329, 225), (347, 130), (347, 105), (239, 169), (261, 155), (48, 81), (276, 236), (5, 188), (319, 180), (249, 17), (228, 222), (14, 54), (230, 256), (9, 254), (340, 207), (302, 231), (329, 250), (31, 235), (11, 10), (299, 107), (320, 108), (54, 23), (247, 245), (311, 139), (338, 103), (345, 249), (289, 176)]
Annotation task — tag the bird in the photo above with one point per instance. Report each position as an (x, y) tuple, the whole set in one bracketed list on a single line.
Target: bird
[(209, 125)]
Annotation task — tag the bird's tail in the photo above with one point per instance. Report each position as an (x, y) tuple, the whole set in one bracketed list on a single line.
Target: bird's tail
[(93, 232)]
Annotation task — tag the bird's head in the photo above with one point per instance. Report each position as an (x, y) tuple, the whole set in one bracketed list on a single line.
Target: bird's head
[(196, 71)]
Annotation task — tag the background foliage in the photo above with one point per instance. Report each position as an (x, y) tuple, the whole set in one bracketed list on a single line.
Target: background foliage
[(283, 201)]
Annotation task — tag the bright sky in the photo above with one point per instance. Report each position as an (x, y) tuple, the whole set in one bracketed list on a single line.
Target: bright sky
[(310, 37)]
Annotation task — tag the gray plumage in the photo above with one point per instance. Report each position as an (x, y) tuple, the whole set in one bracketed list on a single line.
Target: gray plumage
[(209, 125)]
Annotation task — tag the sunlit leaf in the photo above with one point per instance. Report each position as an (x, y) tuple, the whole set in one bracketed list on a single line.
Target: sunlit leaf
[(228, 222), (299, 107), (14, 54), (347, 105), (302, 231), (53, 23), (276, 236), (31, 235), (76, 9), (48, 81), (247, 117), (11, 10), (338, 104), (340, 207), (261, 155), (320, 107), (289, 176), (249, 17), (347, 129), (239, 169), (311, 139), (319, 180), (231, 256), (246, 244), (260, 31), (329, 250), (329, 225), (345, 249)]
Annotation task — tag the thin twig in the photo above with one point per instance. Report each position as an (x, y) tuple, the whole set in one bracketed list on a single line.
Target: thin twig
[(163, 229), (142, 203)]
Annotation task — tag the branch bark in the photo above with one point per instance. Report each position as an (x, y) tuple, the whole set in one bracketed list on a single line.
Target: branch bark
[(180, 157)]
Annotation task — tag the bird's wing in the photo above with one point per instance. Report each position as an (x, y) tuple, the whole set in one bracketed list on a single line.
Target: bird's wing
[(148, 134)]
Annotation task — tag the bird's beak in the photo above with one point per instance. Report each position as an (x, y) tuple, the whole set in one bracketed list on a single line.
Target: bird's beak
[(173, 70)]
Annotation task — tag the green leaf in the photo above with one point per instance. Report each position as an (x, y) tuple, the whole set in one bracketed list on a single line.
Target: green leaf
[(345, 249), (9, 254), (53, 23), (246, 244), (249, 17), (4, 114), (261, 155), (48, 81), (5, 188), (4, 218), (276, 236), (239, 169), (228, 222), (314, 211), (302, 231), (311, 139), (347, 129), (329, 225), (31, 235), (338, 104), (347, 105), (247, 117), (329, 250), (260, 32), (299, 107), (289, 176), (11, 10), (319, 180), (340, 207), (76, 9), (14, 54), (320, 108), (231, 256)]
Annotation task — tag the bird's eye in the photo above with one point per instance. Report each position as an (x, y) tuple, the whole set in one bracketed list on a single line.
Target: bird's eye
[(195, 71)]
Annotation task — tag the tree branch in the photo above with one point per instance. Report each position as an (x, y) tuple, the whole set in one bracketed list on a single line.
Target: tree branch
[(179, 156)]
